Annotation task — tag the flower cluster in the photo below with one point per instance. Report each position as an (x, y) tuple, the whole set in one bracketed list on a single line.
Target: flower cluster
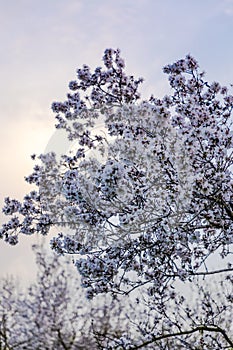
[(107, 88)]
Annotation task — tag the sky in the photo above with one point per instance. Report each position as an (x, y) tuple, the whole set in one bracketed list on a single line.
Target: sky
[(44, 42)]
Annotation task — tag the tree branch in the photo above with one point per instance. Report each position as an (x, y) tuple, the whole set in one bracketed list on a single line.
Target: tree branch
[(191, 331), (203, 273)]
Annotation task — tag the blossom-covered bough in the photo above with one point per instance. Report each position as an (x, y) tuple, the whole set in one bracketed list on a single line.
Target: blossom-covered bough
[(156, 200)]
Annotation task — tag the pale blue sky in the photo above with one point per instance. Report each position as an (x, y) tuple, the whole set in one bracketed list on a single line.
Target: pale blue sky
[(43, 42)]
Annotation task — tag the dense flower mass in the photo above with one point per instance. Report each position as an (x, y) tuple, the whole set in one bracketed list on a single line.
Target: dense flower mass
[(141, 201), (156, 200)]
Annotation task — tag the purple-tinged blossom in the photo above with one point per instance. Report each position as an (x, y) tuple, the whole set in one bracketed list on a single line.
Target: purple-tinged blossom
[(11, 206)]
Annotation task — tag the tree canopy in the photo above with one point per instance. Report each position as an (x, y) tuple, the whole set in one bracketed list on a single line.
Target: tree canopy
[(156, 200)]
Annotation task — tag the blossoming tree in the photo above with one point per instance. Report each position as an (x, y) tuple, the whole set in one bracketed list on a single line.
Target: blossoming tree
[(53, 313), (156, 200)]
